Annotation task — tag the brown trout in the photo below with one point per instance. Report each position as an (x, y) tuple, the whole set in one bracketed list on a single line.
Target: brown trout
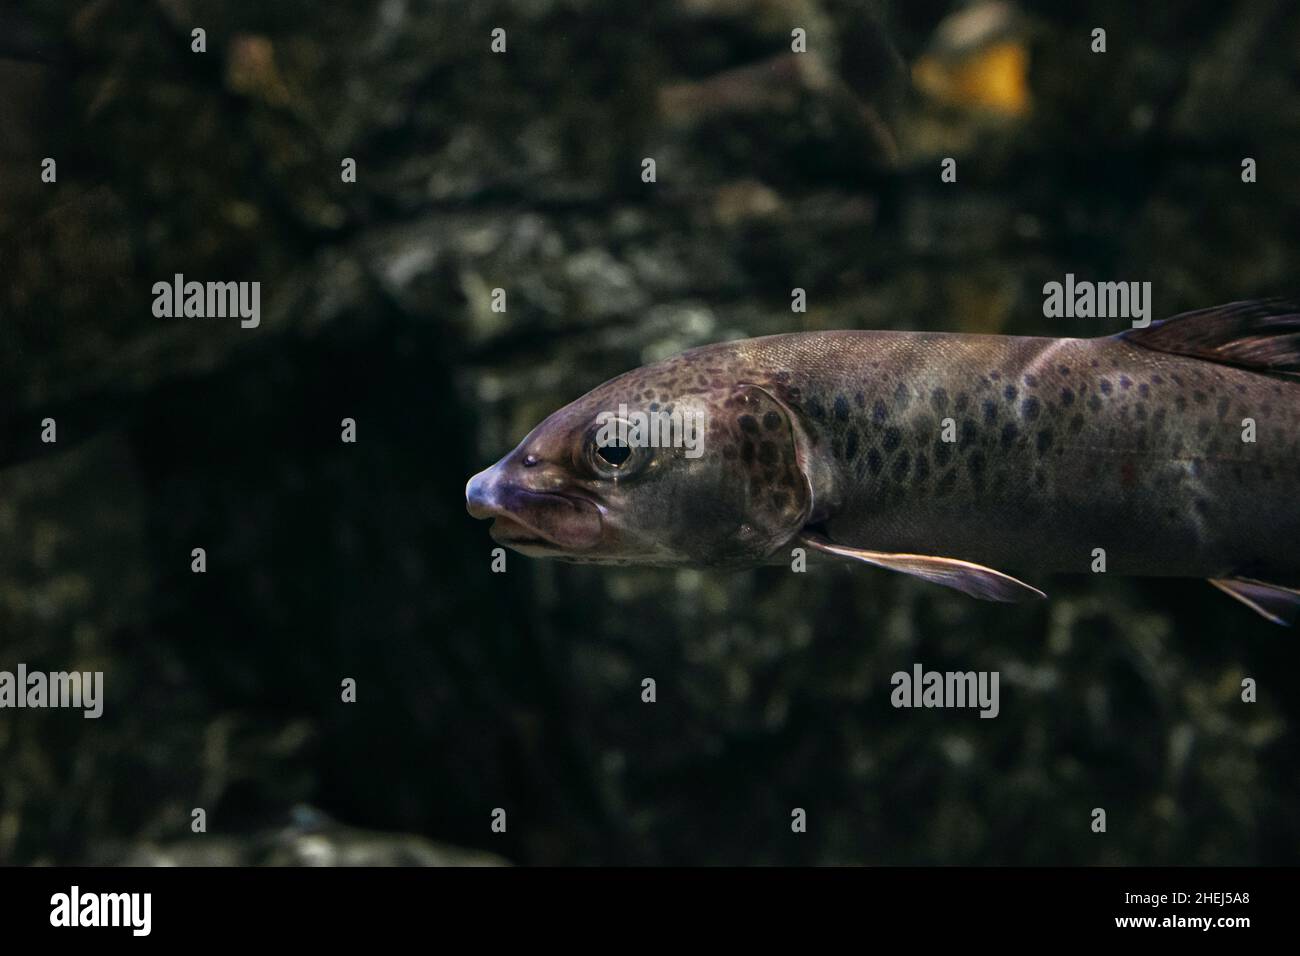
[(1171, 450)]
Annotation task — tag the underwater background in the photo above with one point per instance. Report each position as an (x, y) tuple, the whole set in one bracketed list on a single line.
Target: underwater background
[(522, 170)]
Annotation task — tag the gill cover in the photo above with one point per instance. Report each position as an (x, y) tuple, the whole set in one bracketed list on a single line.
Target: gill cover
[(763, 496)]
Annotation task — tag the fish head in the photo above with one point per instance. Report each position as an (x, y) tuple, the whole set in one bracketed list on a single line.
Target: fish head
[(667, 465)]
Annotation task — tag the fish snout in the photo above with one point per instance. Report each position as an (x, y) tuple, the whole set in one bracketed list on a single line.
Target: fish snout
[(531, 518), (481, 494)]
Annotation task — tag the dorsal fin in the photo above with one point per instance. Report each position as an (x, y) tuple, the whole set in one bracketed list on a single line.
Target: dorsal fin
[(1261, 334)]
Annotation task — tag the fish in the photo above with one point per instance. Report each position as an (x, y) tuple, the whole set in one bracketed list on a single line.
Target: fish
[(966, 460)]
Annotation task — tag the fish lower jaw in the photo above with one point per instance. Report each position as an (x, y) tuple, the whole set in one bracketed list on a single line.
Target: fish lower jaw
[(520, 537)]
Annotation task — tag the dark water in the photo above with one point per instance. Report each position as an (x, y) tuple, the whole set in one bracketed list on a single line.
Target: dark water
[(329, 560)]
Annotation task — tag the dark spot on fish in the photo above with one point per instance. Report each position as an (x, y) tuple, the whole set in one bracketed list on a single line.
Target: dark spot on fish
[(1031, 381), (747, 451), (975, 464), (1067, 397), (922, 467), (942, 453), (1010, 392), (1157, 380), (1094, 403), (1144, 390), (969, 432), (841, 408), (1030, 406), (1200, 397), (990, 411), (1009, 434), (902, 395), (851, 445), (1180, 403), (860, 399), (892, 439), (938, 399), (1076, 424), (879, 412), (817, 409), (771, 421), (947, 482), (874, 461), (767, 452), (1044, 441), (654, 406), (1105, 386), (1202, 506), (901, 465), (748, 424), (995, 375), (1223, 407), (1094, 363), (1063, 369), (1125, 382), (963, 402)]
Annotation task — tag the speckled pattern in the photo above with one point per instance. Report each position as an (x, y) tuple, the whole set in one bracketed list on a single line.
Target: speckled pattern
[(1062, 446)]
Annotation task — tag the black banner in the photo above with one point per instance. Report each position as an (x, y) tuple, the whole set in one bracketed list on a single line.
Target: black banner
[(331, 905)]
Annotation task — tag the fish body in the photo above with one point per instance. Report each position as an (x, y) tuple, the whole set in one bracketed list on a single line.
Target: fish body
[(1168, 451), (1061, 446)]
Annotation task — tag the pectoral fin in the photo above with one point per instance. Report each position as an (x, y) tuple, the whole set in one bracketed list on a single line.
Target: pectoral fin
[(1270, 601), (973, 579)]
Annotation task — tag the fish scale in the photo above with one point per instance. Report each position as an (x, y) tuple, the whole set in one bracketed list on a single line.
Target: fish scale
[(1061, 446)]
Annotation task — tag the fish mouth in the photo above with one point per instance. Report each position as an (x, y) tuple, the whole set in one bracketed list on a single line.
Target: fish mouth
[(544, 522)]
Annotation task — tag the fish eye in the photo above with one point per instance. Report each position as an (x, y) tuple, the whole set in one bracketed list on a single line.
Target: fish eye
[(614, 455)]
